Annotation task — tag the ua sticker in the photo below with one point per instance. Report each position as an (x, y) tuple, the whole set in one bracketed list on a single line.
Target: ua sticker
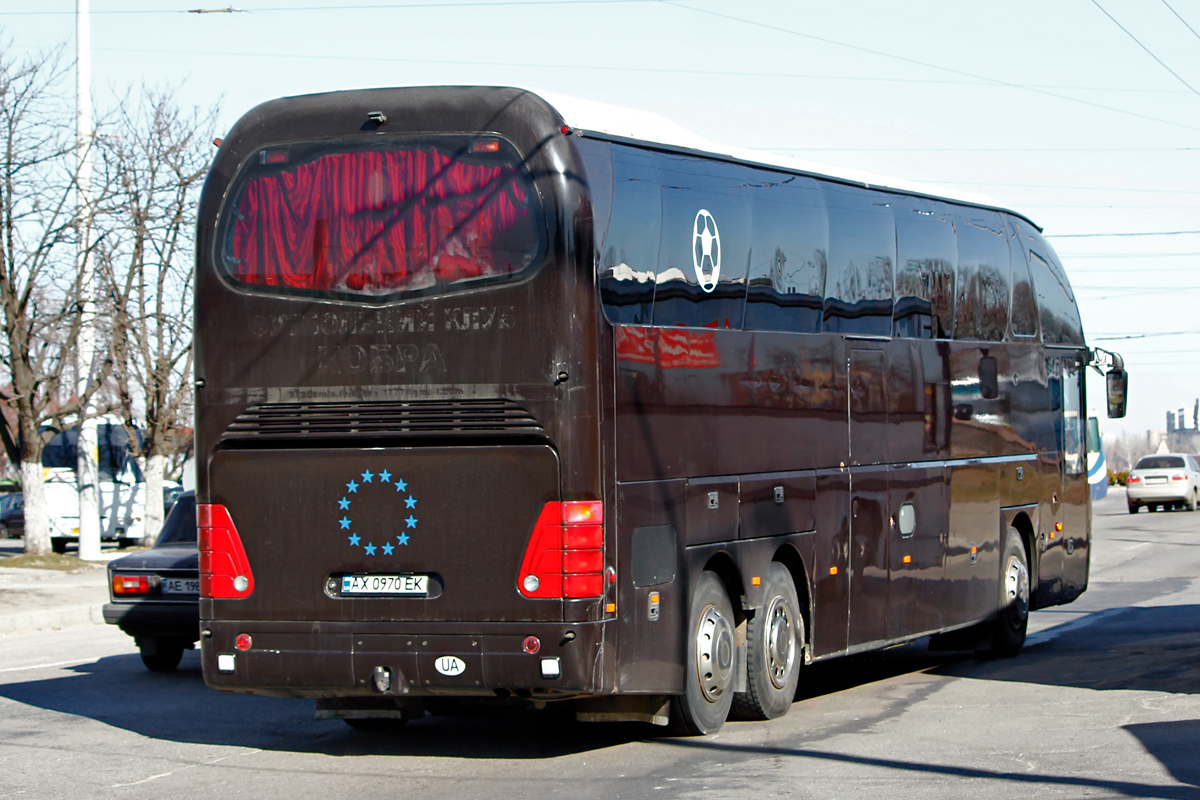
[(706, 250), (450, 665)]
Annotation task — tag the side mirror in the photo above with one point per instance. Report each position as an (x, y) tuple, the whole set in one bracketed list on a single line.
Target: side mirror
[(989, 383), (1118, 384)]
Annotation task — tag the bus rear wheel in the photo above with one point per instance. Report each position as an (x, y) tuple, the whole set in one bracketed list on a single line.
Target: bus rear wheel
[(774, 643), (1008, 632), (711, 661)]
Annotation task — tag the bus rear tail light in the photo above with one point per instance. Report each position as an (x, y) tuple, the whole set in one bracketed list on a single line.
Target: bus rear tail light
[(224, 569), (565, 555)]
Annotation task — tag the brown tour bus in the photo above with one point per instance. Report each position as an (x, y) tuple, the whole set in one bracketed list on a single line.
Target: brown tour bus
[(544, 401)]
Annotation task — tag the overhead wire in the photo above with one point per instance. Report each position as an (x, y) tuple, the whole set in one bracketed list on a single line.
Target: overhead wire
[(1149, 52)]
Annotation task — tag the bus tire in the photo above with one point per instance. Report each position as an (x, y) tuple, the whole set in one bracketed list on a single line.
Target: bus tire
[(774, 644), (1008, 631), (711, 661)]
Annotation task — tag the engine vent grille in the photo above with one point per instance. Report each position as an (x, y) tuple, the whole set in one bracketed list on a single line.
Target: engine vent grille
[(422, 418)]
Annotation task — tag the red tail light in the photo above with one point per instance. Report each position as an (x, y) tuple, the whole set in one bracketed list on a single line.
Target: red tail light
[(1179, 477), (1133, 479), (565, 556), (224, 569), (131, 584)]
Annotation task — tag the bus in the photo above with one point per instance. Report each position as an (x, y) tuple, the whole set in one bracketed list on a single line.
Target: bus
[(516, 399)]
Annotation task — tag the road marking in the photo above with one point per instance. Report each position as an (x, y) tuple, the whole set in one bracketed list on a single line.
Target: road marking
[(74, 663)]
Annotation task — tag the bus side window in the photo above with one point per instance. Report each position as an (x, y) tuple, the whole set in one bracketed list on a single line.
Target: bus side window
[(597, 183), (705, 247), (1056, 302), (862, 250), (1024, 310), (788, 256), (629, 264), (983, 276), (927, 256)]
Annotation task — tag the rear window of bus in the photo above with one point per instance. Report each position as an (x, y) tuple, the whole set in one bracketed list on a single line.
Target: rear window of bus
[(392, 218)]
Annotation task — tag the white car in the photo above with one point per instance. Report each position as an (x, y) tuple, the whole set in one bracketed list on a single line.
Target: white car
[(1164, 480)]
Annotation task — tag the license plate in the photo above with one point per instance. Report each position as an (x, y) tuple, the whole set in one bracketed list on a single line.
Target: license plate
[(181, 586), (1156, 480), (385, 584)]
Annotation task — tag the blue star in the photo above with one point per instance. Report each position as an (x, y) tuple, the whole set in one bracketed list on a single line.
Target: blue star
[(352, 486), (354, 540), (387, 549), (401, 486), (345, 523), (370, 548), (385, 476), (402, 538), (343, 504), (410, 502), (412, 521), (366, 476)]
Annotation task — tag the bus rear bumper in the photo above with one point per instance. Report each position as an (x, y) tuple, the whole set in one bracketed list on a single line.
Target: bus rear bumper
[(326, 660)]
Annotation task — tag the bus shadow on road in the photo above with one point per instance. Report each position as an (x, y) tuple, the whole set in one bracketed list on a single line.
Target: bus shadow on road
[(1152, 649), (179, 707)]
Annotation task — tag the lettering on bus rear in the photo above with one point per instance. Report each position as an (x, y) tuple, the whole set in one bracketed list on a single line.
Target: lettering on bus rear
[(381, 359), (393, 321)]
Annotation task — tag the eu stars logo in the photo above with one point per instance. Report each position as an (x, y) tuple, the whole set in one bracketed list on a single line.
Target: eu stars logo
[(371, 491)]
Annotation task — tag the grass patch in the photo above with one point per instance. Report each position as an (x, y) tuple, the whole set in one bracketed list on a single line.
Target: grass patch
[(64, 563)]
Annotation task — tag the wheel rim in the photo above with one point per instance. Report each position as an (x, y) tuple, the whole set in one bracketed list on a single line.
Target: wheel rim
[(714, 654), (1016, 592), (780, 633)]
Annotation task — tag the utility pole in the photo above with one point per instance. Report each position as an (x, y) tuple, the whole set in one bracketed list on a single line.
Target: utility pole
[(87, 472)]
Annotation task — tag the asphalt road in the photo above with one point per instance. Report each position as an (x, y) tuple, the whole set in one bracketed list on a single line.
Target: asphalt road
[(1104, 702)]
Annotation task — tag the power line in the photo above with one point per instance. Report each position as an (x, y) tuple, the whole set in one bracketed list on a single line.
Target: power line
[(917, 62), (1047, 186), (1181, 19), (981, 149), (1149, 52), (372, 7), (1140, 233), (1127, 255)]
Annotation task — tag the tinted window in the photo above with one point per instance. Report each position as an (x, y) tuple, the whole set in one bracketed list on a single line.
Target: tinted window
[(1160, 462), (392, 216), (926, 258), (981, 294), (862, 249), (180, 526), (1055, 300), (598, 179), (704, 249), (630, 261), (1024, 308), (788, 255)]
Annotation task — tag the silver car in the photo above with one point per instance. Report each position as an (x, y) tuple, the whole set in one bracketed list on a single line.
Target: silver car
[(1164, 480)]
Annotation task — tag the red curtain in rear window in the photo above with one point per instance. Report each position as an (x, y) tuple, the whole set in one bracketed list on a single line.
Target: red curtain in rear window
[(380, 222)]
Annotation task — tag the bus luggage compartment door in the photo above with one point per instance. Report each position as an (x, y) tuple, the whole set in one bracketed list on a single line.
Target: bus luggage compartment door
[(387, 534)]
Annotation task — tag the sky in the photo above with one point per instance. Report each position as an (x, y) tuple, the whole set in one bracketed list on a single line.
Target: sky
[(1084, 115)]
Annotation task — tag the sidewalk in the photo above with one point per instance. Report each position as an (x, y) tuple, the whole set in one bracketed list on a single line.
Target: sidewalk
[(48, 599)]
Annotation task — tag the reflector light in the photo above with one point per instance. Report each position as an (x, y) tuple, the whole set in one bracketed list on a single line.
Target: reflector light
[(565, 129), (485, 146), (565, 554), (243, 641), (532, 644), (218, 142), (1058, 526), (756, 581), (131, 584), (224, 569), (908, 559)]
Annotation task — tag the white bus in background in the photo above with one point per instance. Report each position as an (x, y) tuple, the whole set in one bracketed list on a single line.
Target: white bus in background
[(122, 487), (1097, 467)]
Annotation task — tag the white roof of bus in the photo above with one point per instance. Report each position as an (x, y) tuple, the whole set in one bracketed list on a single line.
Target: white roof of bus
[(588, 115)]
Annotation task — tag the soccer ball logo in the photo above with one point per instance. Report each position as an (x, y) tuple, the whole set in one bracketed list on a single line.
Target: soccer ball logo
[(706, 250)]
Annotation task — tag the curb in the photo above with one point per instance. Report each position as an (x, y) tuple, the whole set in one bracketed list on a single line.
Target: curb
[(49, 619)]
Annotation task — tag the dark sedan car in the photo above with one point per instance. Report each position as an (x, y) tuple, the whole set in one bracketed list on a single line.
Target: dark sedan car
[(156, 593), (12, 515)]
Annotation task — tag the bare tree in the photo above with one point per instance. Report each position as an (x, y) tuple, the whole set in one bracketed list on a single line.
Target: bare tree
[(39, 285), (158, 159)]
